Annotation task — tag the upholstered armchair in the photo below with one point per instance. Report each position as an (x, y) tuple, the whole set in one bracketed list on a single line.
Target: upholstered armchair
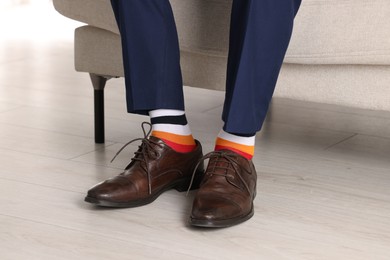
[(339, 52)]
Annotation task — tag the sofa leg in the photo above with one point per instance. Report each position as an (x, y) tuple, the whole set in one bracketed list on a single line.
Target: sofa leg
[(99, 116), (99, 82)]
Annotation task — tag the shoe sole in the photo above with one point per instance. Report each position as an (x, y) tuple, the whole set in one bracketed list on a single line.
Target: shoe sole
[(180, 186), (204, 223)]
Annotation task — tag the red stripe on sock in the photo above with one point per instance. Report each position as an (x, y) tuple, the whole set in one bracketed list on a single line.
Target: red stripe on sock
[(181, 148), (246, 155)]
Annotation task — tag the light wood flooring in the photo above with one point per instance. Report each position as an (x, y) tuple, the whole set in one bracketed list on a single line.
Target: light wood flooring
[(324, 171)]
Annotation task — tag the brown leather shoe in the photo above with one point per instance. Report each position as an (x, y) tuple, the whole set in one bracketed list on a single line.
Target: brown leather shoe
[(227, 191), (155, 168)]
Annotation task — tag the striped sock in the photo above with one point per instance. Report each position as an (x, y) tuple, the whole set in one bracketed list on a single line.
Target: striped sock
[(171, 126), (243, 145)]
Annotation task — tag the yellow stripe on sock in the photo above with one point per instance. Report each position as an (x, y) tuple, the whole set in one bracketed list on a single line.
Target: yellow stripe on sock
[(179, 139), (249, 149)]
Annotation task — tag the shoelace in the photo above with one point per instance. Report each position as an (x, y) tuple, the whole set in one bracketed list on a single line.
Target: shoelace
[(230, 158), (146, 150)]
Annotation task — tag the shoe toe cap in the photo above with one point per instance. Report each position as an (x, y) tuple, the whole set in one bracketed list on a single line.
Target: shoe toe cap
[(215, 208), (112, 190)]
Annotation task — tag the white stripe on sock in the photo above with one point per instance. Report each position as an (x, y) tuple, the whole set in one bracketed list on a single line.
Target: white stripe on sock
[(237, 139), (170, 128), (165, 112), (175, 129)]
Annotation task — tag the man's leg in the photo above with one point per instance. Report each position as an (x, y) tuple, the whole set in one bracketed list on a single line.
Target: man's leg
[(151, 55), (259, 36), (151, 59), (167, 158)]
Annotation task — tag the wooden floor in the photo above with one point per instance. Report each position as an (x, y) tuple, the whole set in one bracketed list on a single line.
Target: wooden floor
[(324, 171)]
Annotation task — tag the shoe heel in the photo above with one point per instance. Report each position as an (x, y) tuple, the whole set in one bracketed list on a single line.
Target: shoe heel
[(195, 184)]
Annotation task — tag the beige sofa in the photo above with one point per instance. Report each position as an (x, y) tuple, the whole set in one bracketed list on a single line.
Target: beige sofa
[(339, 52)]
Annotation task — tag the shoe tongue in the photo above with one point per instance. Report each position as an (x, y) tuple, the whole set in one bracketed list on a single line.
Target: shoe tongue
[(155, 140), (229, 152), (237, 157), (153, 144)]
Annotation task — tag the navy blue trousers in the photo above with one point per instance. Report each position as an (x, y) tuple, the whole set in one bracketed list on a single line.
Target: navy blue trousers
[(260, 32)]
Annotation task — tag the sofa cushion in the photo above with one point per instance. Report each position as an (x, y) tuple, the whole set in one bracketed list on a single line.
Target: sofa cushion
[(341, 32), (98, 51), (97, 13), (325, 32)]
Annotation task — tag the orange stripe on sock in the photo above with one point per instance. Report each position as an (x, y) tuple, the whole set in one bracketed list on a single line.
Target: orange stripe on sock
[(220, 147), (178, 139), (247, 149), (181, 148)]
